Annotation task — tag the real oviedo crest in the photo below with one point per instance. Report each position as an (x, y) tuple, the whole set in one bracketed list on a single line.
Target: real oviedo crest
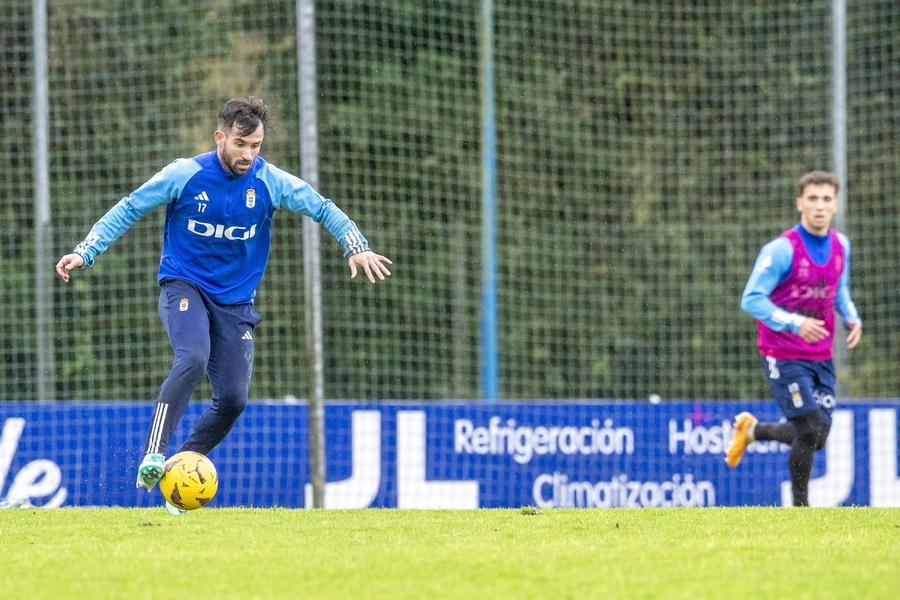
[(251, 198)]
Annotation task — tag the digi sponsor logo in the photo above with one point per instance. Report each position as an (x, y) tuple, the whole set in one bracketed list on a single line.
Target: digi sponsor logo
[(234, 232), (824, 400), (818, 291), (523, 442)]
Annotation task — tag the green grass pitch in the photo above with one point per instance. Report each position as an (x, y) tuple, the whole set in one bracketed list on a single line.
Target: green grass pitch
[(735, 553)]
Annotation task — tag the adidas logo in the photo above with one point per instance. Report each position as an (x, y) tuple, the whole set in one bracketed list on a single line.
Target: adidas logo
[(247, 336), (202, 197)]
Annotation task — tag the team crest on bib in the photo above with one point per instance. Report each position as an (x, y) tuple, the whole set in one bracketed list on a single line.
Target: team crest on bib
[(251, 198), (184, 305)]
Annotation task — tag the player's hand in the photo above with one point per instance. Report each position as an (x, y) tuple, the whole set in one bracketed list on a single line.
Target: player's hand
[(855, 334), (371, 263), (67, 263), (812, 330)]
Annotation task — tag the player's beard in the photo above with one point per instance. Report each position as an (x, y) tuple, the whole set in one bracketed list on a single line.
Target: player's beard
[(234, 166)]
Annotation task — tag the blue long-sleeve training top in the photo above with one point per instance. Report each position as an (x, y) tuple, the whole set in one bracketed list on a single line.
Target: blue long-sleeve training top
[(218, 225), (773, 265)]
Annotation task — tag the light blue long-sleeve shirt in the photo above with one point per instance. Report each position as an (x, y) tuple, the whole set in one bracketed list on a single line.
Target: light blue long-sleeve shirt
[(218, 225)]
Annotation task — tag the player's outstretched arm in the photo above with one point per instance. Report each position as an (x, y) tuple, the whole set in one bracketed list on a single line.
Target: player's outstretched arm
[(67, 263), (371, 263), (855, 334)]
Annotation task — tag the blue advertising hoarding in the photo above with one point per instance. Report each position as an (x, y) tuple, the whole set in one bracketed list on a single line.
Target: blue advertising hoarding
[(455, 455)]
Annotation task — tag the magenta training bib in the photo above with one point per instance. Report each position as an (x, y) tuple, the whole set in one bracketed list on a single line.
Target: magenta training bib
[(809, 291)]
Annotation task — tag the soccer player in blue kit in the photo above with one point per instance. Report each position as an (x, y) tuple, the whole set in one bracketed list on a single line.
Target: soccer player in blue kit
[(219, 209), (799, 280)]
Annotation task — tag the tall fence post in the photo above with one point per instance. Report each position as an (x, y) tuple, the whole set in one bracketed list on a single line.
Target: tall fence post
[(43, 233), (489, 366), (839, 146), (312, 280)]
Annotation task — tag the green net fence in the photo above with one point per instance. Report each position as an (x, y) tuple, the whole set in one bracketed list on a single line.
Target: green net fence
[(645, 153)]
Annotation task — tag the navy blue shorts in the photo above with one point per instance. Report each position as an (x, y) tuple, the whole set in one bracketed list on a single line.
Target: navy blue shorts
[(211, 339), (801, 386)]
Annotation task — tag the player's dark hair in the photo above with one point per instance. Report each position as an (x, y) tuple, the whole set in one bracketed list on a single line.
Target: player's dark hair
[(244, 116), (818, 178)]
